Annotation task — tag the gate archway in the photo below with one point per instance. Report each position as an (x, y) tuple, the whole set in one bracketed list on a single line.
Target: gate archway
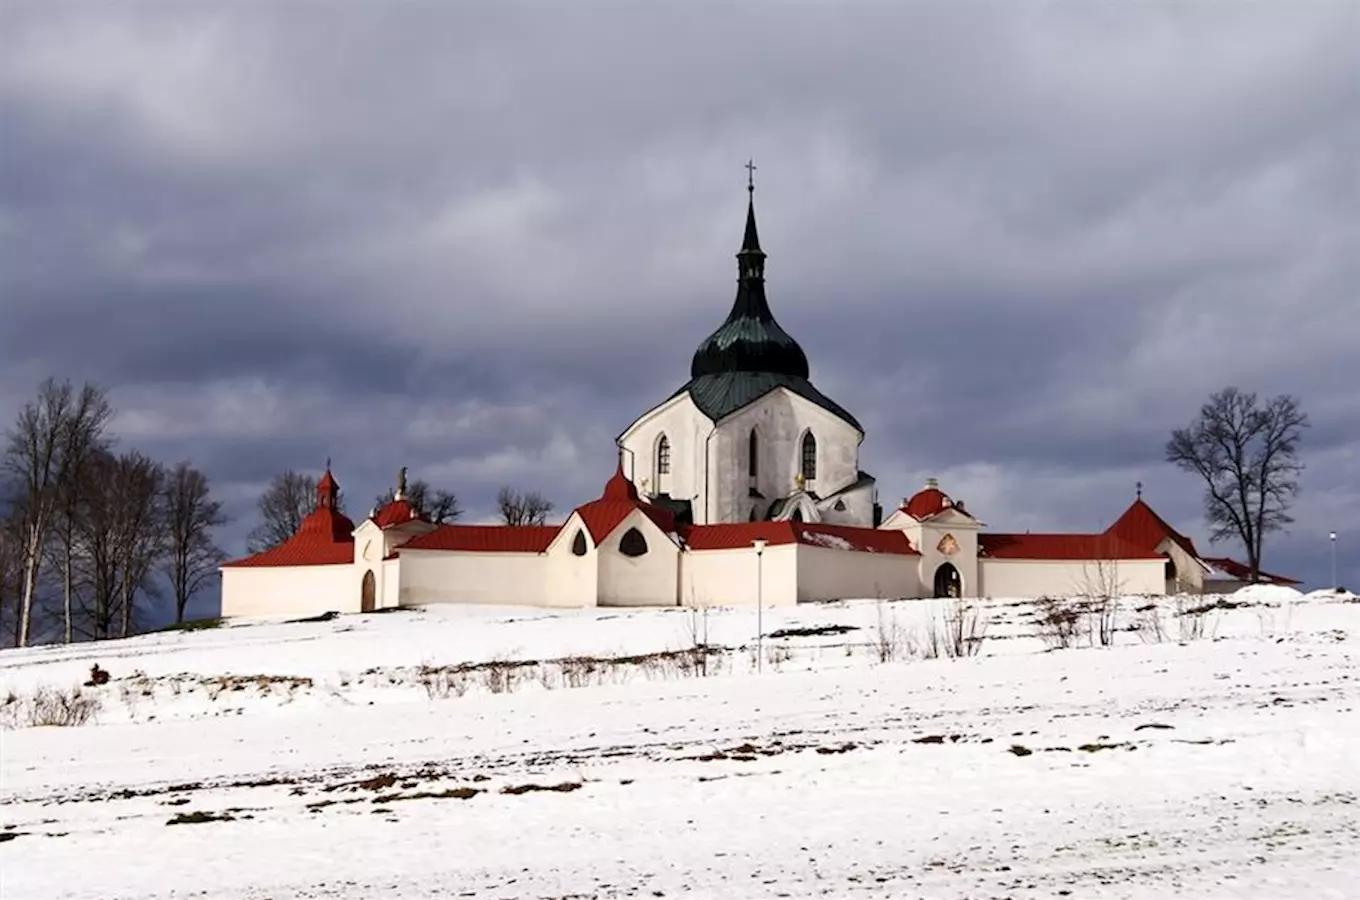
[(368, 592), (948, 582)]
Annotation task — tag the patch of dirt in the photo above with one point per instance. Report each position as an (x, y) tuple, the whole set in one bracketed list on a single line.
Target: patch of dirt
[(458, 793), (813, 631), (1156, 725), (843, 748), (563, 788), (198, 817), (1096, 747), (1020, 750), (10, 835), (328, 616)]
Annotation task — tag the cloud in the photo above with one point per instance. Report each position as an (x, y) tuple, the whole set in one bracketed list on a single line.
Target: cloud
[(478, 241)]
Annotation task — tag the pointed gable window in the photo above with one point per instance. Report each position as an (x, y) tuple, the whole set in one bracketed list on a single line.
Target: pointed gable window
[(632, 543), (752, 454), (663, 456), (578, 544), (809, 467)]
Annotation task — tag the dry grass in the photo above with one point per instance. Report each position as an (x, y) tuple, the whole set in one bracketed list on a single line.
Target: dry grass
[(48, 706)]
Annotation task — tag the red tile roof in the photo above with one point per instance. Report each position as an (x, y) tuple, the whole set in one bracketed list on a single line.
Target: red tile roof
[(323, 539), (926, 503), (1060, 547), (1242, 571), (1141, 526), (739, 535), (396, 512), (619, 500), (736, 535), (485, 539)]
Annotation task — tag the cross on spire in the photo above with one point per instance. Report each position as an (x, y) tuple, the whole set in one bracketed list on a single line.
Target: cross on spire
[(750, 175)]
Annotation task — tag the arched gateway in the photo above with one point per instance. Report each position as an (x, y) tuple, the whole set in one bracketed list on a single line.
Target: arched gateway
[(948, 582), (368, 593)]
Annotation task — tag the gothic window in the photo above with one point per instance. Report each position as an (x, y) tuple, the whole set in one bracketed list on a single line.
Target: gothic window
[(578, 544), (752, 454), (632, 543), (809, 468), (663, 456)]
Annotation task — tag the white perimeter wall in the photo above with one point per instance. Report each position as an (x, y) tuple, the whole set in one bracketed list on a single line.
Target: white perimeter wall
[(730, 577), (290, 591), (444, 576), (826, 574), (652, 579), (1037, 578)]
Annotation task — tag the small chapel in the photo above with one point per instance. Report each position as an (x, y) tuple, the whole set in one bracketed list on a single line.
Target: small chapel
[(743, 486)]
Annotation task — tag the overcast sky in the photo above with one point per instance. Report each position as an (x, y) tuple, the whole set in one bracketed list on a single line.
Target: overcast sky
[(1019, 242)]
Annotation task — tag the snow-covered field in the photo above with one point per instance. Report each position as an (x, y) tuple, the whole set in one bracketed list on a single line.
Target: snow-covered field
[(492, 753)]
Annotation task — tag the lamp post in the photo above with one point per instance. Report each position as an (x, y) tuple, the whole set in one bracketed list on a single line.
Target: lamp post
[(759, 544), (1332, 537)]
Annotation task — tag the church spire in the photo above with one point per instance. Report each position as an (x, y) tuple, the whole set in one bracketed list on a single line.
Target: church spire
[(750, 259), (750, 340)]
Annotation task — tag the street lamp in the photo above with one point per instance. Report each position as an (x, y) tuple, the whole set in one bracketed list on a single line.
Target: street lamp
[(759, 544), (1332, 537)]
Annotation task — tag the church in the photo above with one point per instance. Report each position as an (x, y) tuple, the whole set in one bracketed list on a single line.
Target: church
[(742, 487)]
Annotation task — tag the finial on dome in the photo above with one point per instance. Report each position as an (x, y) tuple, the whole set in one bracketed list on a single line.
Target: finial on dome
[(933, 483), (1138, 490)]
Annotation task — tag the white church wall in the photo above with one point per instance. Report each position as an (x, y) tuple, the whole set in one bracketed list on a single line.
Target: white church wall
[(1065, 578), (445, 576), (827, 574), (651, 579), (1190, 574), (687, 430), (859, 508), (389, 585), (290, 590), (572, 581), (780, 419), (733, 577)]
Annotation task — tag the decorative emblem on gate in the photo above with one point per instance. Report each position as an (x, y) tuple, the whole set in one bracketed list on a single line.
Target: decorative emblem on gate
[(948, 546)]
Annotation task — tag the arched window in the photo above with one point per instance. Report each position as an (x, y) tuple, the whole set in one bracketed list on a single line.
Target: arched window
[(632, 543), (663, 456), (1170, 569), (578, 544), (752, 454), (809, 468)]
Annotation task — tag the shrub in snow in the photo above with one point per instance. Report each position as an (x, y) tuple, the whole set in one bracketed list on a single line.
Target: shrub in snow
[(49, 706)]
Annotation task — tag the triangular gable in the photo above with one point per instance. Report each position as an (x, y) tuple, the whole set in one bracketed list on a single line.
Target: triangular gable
[(1141, 526)]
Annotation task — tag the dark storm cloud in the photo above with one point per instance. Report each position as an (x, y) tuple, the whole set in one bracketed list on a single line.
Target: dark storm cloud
[(1020, 243)]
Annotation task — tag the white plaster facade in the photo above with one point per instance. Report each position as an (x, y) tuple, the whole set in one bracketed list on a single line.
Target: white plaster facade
[(710, 463)]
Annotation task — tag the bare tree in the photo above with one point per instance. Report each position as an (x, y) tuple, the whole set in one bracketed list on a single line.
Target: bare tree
[(47, 444), (516, 508), (1248, 456), (122, 535), (437, 505), (287, 501), (11, 566), (141, 533), (190, 515)]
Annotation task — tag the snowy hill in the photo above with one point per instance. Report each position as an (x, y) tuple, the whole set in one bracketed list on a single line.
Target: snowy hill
[(491, 752)]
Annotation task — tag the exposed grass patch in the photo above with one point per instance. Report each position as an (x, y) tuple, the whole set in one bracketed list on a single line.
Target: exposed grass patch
[(329, 615), (812, 631), (458, 793), (562, 788), (198, 817), (1020, 750), (192, 625)]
